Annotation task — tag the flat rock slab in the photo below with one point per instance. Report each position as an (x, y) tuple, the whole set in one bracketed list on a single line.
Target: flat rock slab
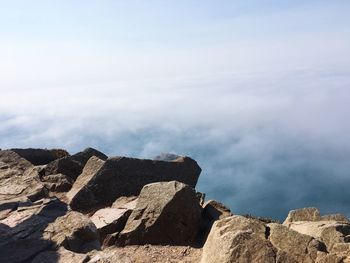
[(101, 184)]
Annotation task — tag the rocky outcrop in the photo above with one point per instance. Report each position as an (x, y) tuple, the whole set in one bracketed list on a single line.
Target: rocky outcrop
[(72, 166), (103, 182), (19, 179), (166, 213), (143, 211), (40, 156)]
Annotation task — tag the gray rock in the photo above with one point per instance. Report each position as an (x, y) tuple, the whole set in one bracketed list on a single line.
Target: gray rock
[(122, 176), (295, 246), (72, 166), (40, 156), (238, 239), (166, 213)]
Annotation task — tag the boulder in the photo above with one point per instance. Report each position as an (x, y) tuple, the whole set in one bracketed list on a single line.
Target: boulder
[(334, 217), (60, 256), (40, 156), (166, 213), (238, 239), (329, 232), (74, 231), (18, 179), (122, 176), (72, 166), (296, 246), (303, 214)]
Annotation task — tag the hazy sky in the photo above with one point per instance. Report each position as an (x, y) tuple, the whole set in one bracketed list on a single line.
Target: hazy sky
[(256, 91)]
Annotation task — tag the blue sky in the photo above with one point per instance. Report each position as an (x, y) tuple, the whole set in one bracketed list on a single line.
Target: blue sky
[(256, 91)]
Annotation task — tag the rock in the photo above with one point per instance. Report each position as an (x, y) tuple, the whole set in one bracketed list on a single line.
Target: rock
[(74, 231), (303, 214), (110, 220), (80, 197), (22, 231), (214, 210), (297, 246), (334, 217), (60, 256), (40, 156), (18, 179), (127, 202), (238, 239), (121, 176), (329, 232), (57, 182), (72, 166), (166, 213)]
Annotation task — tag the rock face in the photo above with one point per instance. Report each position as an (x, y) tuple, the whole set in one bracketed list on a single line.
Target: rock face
[(166, 213), (72, 166), (125, 177), (238, 239), (18, 179), (40, 156)]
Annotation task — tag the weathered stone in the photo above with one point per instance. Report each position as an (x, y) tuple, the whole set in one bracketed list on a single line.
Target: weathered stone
[(72, 166), (74, 231), (40, 156), (110, 220), (300, 247), (60, 256), (18, 178), (329, 232), (303, 214), (121, 176), (57, 182), (166, 213), (238, 239)]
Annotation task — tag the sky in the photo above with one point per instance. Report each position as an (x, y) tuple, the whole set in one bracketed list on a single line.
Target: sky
[(256, 91)]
